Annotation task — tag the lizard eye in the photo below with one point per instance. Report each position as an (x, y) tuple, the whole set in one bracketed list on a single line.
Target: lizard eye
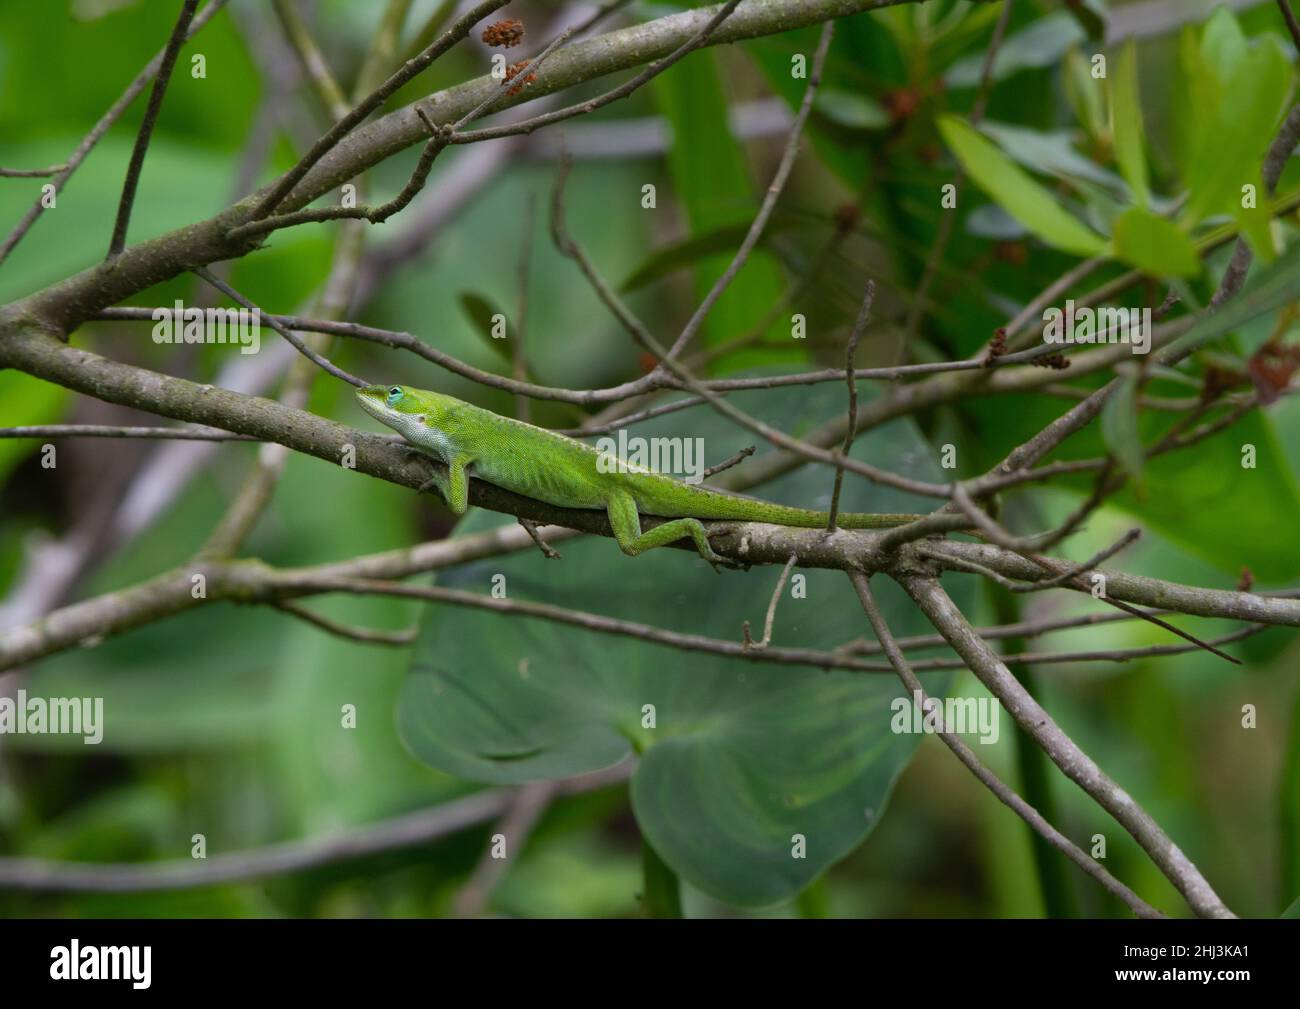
[(394, 395)]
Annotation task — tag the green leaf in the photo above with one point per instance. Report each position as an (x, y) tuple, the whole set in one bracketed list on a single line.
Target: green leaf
[(743, 755), (698, 248), (1126, 115), (1016, 192), (1086, 95), (1051, 153), (1275, 285), (1041, 44), (480, 312), (1231, 147), (851, 109), (1155, 245), (1119, 427), (712, 179), (1293, 911), (1223, 45)]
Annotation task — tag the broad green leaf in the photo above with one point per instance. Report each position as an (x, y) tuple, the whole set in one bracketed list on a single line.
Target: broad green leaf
[(1016, 192), (1223, 45), (1086, 95), (697, 248), (1293, 911), (742, 755), (1200, 91), (1051, 153), (850, 109), (713, 182), (1040, 44), (1155, 245), (1232, 146), (1126, 117), (1275, 285), (1256, 222), (1119, 427)]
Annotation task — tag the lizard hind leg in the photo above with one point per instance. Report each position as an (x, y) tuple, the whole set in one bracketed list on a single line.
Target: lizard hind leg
[(626, 524)]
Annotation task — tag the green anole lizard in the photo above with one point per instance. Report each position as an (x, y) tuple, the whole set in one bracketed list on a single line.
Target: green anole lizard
[(550, 467)]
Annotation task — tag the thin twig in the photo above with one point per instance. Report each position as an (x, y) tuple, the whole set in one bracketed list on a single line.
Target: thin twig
[(32, 173), (774, 190), (652, 70), (407, 831), (518, 360), (284, 331), (1074, 571), (548, 551), (746, 641), (941, 240), (961, 499), (864, 314), (109, 431), (435, 145), (943, 613), (311, 59), (726, 464), (409, 70), (173, 47), (366, 635), (100, 128), (525, 809), (986, 777), (1292, 25)]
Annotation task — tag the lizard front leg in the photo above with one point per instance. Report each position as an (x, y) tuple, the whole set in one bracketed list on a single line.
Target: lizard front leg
[(454, 487)]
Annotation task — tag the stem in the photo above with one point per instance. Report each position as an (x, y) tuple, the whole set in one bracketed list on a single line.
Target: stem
[(1035, 779), (661, 895)]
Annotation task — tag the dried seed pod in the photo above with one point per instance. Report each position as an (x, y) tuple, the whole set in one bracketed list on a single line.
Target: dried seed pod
[(506, 33)]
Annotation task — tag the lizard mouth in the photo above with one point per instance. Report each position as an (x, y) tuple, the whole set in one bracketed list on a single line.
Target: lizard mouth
[(371, 400)]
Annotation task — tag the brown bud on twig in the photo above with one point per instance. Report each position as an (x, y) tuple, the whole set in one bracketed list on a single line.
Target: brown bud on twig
[(1247, 581), (506, 33), (997, 346), (513, 71), (1057, 361)]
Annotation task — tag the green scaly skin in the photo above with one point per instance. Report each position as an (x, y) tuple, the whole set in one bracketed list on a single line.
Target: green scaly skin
[(549, 467)]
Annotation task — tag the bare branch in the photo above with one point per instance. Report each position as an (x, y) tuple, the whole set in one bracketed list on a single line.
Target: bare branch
[(941, 240), (726, 464), (851, 421), (160, 83), (311, 59), (32, 173), (774, 190), (746, 641), (407, 831), (373, 101), (365, 635), (986, 777), (109, 431), (105, 123), (1065, 753), (284, 331)]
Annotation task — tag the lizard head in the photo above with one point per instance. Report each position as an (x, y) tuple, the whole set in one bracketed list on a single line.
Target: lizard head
[(401, 408)]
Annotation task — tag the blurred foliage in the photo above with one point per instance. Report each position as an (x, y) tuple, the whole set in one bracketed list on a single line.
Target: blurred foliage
[(226, 721)]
